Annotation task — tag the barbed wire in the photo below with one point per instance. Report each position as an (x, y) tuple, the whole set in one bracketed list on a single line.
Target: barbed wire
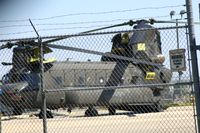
[(95, 13)]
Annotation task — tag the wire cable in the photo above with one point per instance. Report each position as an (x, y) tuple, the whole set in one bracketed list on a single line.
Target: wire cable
[(75, 27), (51, 29), (108, 12), (96, 13), (78, 23)]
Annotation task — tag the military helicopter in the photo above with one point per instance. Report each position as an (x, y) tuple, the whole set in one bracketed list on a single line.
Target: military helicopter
[(114, 82)]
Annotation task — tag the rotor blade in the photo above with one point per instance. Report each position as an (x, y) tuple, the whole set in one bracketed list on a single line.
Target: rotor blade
[(3, 46), (7, 45), (180, 22), (112, 26), (132, 60), (164, 21), (103, 28), (6, 63)]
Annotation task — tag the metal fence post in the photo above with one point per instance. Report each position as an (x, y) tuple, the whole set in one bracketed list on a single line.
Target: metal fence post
[(199, 11), (193, 52), (0, 120), (44, 109), (42, 90)]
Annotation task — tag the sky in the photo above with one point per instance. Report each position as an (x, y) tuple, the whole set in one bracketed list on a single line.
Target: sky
[(58, 17), (76, 12)]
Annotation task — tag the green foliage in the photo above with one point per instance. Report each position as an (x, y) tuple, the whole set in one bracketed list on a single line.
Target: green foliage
[(177, 104)]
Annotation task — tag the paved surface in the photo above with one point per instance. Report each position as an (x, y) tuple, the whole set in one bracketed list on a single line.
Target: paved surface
[(176, 119)]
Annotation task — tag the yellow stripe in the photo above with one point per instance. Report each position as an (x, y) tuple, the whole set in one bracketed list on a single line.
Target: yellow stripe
[(150, 75), (141, 47), (49, 60)]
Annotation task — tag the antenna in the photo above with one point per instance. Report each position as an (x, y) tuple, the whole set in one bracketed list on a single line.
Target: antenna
[(34, 29), (172, 13)]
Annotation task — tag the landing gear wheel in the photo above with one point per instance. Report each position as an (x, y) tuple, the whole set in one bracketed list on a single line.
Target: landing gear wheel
[(91, 112), (17, 111), (112, 110), (69, 110), (158, 107), (48, 113)]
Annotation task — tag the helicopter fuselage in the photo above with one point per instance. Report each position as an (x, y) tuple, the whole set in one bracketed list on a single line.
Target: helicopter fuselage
[(75, 84)]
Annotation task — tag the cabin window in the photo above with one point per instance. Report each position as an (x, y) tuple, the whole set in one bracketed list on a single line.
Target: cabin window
[(5, 79), (101, 80), (58, 80), (81, 81), (134, 79)]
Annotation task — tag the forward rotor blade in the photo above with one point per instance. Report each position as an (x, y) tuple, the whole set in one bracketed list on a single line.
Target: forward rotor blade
[(6, 63), (3, 46), (7, 45), (134, 61)]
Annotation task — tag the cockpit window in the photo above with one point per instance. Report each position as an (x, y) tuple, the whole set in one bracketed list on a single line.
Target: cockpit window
[(5, 79), (32, 79)]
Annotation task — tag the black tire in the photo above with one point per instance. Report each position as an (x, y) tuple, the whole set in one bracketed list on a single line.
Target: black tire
[(17, 111), (112, 110), (90, 112), (69, 110), (48, 113), (40, 115), (158, 107)]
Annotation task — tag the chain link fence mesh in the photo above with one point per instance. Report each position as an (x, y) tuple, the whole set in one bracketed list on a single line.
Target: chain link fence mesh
[(102, 82)]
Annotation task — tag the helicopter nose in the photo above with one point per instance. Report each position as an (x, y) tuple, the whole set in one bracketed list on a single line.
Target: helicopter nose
[(12, 91), (15, 96)]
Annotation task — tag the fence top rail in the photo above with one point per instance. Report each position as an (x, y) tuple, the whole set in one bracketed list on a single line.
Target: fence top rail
[(89, 34)]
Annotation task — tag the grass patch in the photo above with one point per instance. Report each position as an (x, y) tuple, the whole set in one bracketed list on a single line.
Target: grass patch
[(177, 105)]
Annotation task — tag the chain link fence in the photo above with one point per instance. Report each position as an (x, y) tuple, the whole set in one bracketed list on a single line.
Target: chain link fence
[(97, 82)]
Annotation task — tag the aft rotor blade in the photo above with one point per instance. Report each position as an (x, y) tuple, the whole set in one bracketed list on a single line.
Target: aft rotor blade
[(89, 31), (164, 21), (132, 60), (179, 22)]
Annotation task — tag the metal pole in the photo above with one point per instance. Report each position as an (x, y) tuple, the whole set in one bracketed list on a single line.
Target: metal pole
[(177, 35), (44, 108), (177, 39), (193, 53), (0, 119), (190, 73), (42, 90), (199, 11)]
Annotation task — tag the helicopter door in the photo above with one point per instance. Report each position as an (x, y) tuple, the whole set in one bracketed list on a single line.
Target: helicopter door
[(79, 78), (90, 77), (55, 81), (69, 78)]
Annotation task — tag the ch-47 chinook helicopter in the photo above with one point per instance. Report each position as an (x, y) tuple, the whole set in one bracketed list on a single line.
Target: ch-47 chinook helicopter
[(135, 59)]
